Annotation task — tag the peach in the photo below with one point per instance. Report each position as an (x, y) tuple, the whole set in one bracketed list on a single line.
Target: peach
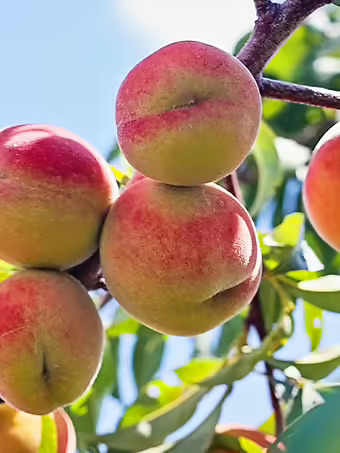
[(188, 114), (51, 340), (262, 440), (322, 188), (66, 434), (55, 190), (181, 260), (19, 432), (22, 433)]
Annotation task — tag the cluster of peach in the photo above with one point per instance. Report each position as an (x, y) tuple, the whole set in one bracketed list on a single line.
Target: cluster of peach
[(55, 191), (178, 252)]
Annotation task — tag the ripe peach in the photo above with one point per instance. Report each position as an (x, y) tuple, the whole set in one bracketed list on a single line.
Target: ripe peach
[(51, 340), (67, 440), (55, 190), (19, 432), (322, 188), (188, 114), (22, 433), (182, 260)]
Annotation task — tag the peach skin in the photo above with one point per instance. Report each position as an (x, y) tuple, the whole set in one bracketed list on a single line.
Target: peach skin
[(51, 340), (181, 260), (22, 433), (322, 188), (55, 191), (188, 114)]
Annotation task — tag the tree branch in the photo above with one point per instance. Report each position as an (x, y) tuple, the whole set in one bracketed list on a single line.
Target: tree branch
[(89, 273), (257, 320), (232, 185), (274, 26), (261, 6), (299, 94)]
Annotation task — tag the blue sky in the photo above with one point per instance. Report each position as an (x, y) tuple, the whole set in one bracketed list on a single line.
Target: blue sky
[(62, 63)]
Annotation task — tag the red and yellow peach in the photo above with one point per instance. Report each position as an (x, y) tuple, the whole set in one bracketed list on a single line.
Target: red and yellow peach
[(51, 340), (188, 114), (55, 190), (322, 188), (182, 260)]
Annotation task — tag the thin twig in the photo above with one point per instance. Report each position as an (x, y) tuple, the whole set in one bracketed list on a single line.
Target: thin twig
[(299, 94), (258, 322), (272, 29), (232, 185), (89, 273)]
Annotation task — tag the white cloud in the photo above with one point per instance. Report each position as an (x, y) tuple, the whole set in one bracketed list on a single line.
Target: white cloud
[(217, 22)]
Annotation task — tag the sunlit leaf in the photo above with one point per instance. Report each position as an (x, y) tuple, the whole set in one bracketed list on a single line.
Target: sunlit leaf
[(269, 168), (315, 366), (314, 324), (199, 369), (324, 292), (154, 428), (48, 436)]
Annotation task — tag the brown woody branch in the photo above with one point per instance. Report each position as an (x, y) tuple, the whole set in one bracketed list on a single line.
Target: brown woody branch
[(273, 27), (299, 94)]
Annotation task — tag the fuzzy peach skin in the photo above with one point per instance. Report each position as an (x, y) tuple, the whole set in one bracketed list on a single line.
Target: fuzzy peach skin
[(51, 340), (181, 260), (22, 433), (67, 440), (55, 190), (19, 432), (322, 188), (188, 114)]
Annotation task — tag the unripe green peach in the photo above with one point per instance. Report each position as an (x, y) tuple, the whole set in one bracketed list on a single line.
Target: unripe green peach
[(188, 114), (182, 260), (322, 188), (51, 340), (55, 190)]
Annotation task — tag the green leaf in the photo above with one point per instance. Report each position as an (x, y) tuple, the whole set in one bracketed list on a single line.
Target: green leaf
[(199, 370), (269, 426), (119, 175), (123, 324), (154, 428), (324, 292), (314, 366), (147, 355), (85, 411), (314, 432), (231, 332), (290, 231), (153, 397), (296, 409), (114, 153), (6, 270), (314, 324), (270, 303), (199, 440), (48, 435), (336, 2), (269, 168)]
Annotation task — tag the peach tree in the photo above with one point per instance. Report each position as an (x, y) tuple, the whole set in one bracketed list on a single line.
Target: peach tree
[(245, 281)]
